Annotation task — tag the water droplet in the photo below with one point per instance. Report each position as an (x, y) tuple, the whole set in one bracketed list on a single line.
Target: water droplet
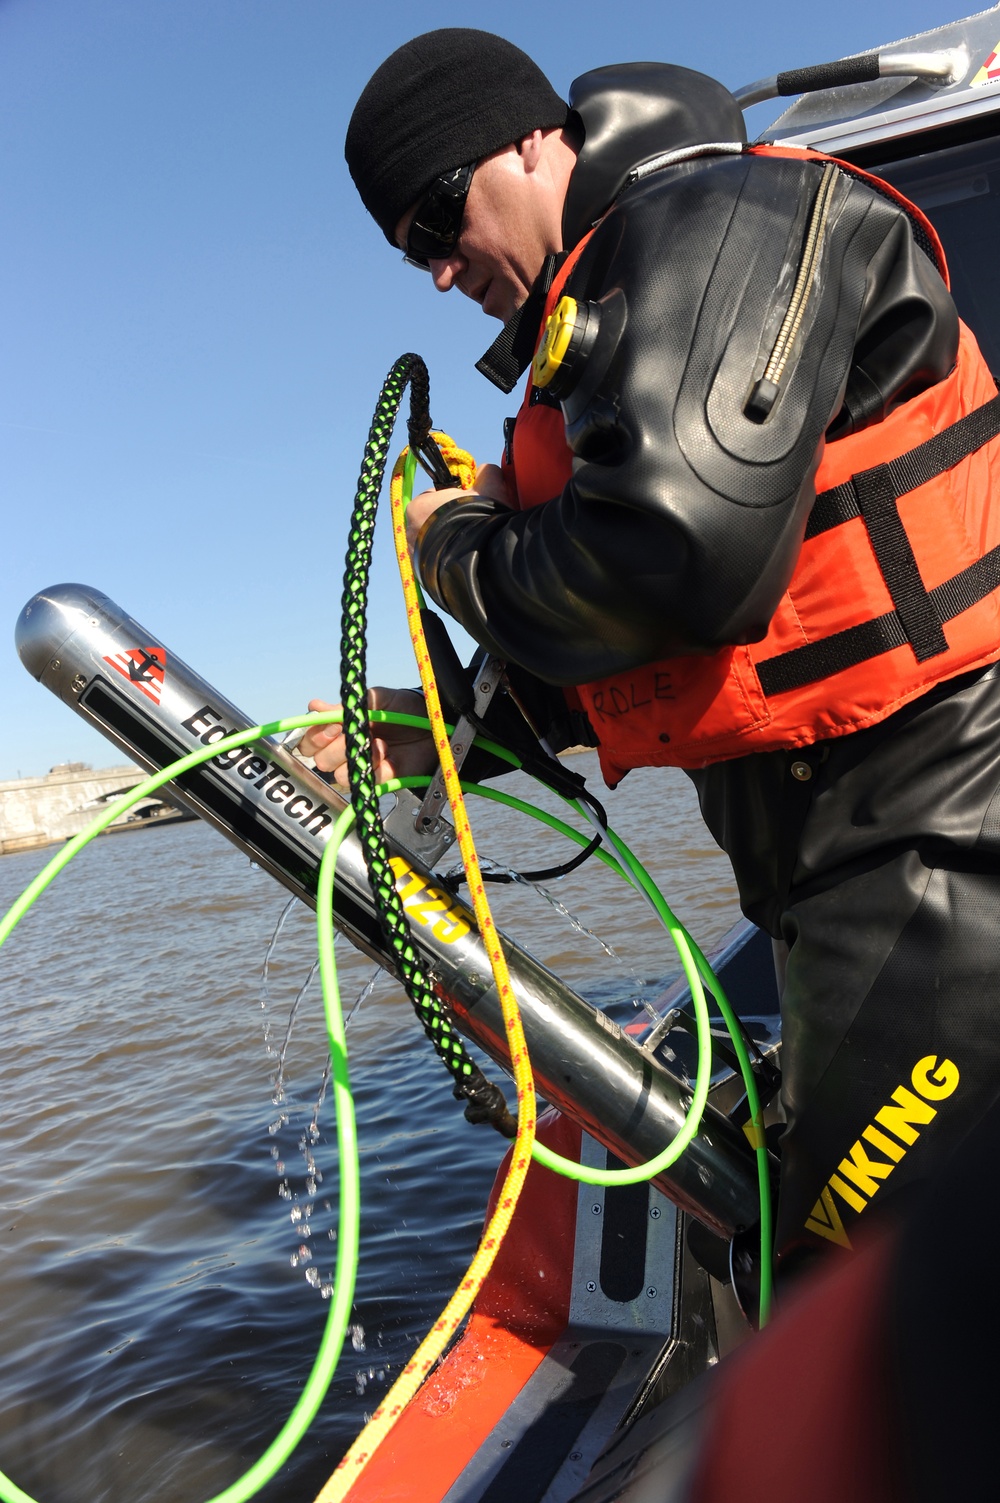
[(358, 1337), (312, 1277), (305, 1254), (295, 1213)]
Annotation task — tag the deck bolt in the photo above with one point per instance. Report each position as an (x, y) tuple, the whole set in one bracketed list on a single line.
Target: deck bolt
[(654, 1211), (591, 1286), (596, 1210), (650, 1292)]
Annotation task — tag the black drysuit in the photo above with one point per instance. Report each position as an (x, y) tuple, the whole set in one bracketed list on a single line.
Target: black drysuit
[(879, 870)]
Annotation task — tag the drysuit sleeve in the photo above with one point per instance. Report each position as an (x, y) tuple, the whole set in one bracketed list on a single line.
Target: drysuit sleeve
[(682, 522)]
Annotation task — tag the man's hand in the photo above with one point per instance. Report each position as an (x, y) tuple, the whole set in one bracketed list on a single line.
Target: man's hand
[(399, 751), (489, 483)]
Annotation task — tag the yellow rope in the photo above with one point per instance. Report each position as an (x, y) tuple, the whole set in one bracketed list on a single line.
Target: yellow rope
[(451, 1317)]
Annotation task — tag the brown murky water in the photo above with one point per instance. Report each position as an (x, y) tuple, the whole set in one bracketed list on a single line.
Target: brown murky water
[(162, 1249)]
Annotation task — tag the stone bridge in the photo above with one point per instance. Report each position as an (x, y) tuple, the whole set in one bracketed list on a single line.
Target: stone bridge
[(40, 811)]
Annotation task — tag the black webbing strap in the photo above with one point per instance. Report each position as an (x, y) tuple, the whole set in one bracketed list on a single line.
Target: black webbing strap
[(845, 649), (918, 613), (912, 469), (894, 554), (510, 354)]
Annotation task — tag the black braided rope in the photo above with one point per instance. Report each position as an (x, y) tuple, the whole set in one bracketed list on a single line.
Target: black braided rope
[(485, 1100)]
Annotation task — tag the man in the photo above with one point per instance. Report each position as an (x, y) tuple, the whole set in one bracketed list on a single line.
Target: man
[(727, 335)]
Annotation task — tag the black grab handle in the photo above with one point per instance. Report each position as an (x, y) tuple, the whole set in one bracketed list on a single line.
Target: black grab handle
[(850, 70)]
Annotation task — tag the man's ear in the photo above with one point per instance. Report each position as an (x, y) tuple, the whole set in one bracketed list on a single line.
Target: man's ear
[(529, 149)]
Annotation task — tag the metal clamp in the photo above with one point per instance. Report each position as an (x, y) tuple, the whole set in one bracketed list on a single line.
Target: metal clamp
[(488, 678), (425, 845)]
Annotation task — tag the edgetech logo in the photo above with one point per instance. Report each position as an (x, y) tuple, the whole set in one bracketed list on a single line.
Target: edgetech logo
[(267, 777), (144, 667), (896, 1127)]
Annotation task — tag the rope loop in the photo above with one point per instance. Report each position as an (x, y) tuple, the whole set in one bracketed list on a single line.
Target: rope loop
[(486, 1101)]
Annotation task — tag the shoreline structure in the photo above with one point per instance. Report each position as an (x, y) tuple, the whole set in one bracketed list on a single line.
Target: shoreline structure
[(47, 810)]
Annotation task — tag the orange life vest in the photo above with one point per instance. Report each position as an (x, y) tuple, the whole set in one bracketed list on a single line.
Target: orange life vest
[(895, 588)]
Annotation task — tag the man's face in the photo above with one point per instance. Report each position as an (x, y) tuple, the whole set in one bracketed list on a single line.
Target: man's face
[(511, 223)]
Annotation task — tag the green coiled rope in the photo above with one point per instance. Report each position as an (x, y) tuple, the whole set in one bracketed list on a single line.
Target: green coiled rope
[(470, 1082), (324, 1366)]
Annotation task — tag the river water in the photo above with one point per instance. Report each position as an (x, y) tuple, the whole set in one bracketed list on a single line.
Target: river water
[(165, 1238)]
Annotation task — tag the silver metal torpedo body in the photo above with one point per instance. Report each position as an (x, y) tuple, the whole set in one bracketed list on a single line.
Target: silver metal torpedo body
[(129, 686)]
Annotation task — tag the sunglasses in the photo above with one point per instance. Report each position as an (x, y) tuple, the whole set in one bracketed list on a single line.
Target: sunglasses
[(437, 220)]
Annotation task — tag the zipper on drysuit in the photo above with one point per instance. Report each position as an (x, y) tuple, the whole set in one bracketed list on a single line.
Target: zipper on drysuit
[(766, 390)]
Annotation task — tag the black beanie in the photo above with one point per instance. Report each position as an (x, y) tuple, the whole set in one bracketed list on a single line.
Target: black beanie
[(445, 99)]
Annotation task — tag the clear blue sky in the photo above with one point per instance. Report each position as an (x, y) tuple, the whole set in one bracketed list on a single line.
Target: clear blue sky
[(196, 313)]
